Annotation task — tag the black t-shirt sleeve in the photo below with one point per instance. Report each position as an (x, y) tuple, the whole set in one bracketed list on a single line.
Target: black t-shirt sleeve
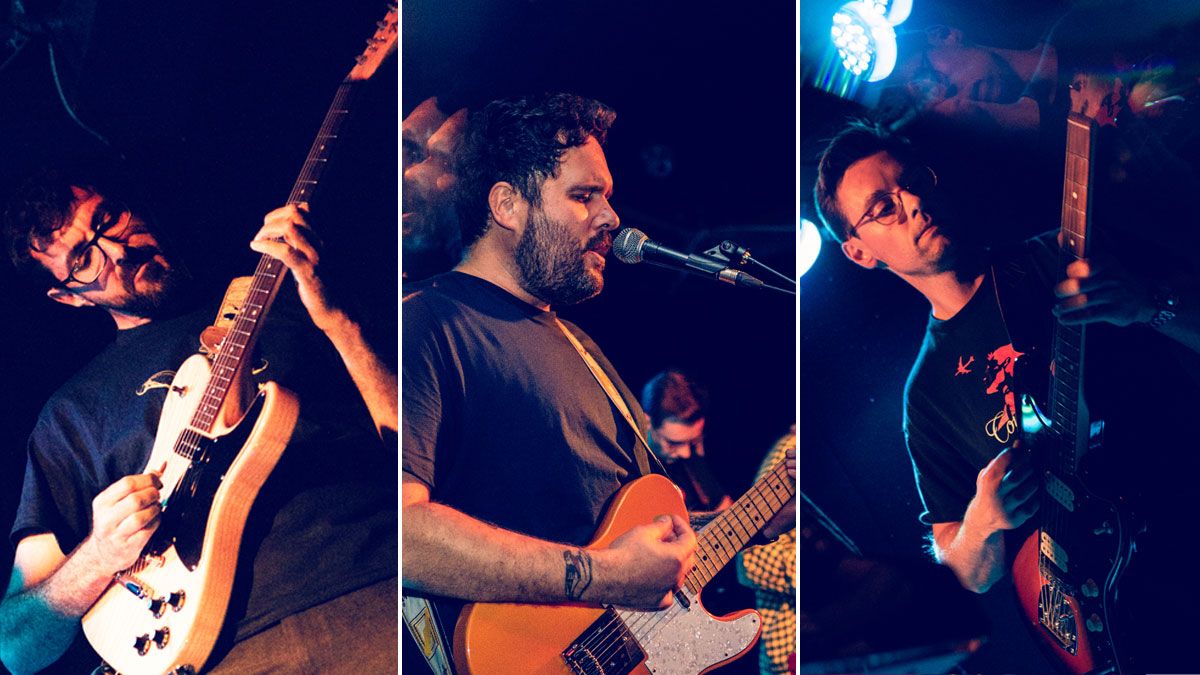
[(422, 370), (945, 480), (52, 497)]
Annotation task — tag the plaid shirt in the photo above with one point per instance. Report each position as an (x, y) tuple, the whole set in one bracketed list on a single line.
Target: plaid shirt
[(771, 571)]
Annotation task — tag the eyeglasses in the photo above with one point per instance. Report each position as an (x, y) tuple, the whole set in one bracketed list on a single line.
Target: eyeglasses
[(887, 207), (111, 221)]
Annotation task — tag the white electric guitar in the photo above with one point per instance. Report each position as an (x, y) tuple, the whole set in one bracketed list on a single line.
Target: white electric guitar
[(219, 440)]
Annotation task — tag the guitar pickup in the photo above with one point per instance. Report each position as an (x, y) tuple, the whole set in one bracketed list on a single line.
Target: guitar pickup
[(1053, 552), (1059, 491)]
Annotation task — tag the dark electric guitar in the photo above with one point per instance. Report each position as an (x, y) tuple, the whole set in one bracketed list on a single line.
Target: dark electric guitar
[(219, 441), (1066, 573)]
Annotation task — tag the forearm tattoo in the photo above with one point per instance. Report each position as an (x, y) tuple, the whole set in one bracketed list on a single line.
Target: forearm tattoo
[(578, 572)]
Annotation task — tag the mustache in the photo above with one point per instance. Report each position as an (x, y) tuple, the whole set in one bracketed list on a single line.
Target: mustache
[(135, 256), (601, 243)]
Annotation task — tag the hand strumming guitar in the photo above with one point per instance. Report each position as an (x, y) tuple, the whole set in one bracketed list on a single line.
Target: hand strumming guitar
[(1005, 497), (643, 566), (124, 516)]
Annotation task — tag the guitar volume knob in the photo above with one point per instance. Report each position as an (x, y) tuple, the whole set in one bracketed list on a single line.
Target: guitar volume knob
[(1094, 624), (1090, 589), (162, 636), (142, 644)]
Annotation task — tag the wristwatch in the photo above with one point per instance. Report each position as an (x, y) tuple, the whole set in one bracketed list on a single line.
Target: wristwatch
[(1166, 304)]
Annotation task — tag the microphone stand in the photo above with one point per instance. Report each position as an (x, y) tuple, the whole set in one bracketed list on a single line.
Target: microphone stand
[(738, 256)]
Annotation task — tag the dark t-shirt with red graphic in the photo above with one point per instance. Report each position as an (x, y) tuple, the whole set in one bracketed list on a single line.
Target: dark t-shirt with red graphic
[(961, 400)]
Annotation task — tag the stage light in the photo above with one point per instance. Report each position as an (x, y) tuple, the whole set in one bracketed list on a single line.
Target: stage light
[(809, 248), (896, 11), (864, 39)]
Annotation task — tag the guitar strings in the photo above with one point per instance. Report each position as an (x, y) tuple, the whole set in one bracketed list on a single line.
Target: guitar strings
[(646, 624), (605, 641)]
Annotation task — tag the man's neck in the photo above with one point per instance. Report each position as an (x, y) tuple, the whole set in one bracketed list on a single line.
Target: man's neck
[(126, 321), (485, 262), (946, 292)]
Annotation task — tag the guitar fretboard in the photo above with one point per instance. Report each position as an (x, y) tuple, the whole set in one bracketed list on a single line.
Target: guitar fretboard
[(730, 531), (1066, 385)]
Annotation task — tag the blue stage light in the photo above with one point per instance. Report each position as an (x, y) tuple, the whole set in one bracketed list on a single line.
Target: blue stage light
[(864, 38), (809, 248)]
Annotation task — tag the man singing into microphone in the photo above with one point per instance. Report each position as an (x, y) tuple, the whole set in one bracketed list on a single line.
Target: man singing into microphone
[(511, 442)]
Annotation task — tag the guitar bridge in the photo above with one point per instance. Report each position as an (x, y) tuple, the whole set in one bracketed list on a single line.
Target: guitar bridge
[(606, 647), (1057, 617)]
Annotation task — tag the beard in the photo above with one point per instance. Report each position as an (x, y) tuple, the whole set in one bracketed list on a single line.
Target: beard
[(552, 265), (164, 287)]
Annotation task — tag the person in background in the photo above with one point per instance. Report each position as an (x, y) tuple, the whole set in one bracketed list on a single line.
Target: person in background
[(675, 407), (770, 569)]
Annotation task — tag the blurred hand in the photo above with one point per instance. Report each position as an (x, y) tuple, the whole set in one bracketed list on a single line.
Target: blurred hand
[(1099, 289), (1005, 493)]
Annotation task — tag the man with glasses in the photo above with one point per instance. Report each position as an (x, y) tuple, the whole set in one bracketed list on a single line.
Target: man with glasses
[(316, 587), (988, 331)]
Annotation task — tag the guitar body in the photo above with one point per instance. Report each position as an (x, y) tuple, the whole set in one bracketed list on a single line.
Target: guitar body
[(529, 639), (1067, 585), (166, 611)]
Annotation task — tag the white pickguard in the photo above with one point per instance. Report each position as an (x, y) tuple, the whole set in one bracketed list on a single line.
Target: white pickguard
[(687, 641)]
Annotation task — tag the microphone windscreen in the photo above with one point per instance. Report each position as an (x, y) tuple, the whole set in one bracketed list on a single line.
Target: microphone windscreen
[(627, 245)]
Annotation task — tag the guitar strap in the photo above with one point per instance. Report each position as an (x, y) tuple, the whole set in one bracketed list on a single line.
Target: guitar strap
[(420, 615), (425, 627), (641, 451)]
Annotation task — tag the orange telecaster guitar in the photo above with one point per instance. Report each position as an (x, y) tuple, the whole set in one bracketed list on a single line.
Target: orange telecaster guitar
[(163, 614), (527, 639)]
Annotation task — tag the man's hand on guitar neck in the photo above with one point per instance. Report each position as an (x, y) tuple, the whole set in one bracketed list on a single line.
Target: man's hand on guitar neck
[(1005, 497), (287, 237)]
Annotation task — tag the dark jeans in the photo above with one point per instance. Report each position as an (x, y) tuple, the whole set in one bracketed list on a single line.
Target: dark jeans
[(355, 633)]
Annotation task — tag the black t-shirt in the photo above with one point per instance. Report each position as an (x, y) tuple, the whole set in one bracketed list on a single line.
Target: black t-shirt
[(961, 401), (325, 522), (502, 418)]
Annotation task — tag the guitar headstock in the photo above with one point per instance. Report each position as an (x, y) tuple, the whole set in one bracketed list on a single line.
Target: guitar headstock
[(379, 46), (1099, 96)]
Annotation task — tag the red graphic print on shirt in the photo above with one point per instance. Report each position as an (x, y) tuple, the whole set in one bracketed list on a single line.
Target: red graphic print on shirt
[(999, 378)]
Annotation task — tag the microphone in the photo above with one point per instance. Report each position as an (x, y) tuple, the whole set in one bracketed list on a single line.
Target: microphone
[(632, 246)]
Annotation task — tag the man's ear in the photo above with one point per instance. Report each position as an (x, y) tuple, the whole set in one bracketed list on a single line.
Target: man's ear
[(507, 206), (944, 36), (67, 297), (860, 255)]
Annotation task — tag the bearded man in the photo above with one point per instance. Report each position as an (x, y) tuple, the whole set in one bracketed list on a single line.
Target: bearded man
[(510, 443)]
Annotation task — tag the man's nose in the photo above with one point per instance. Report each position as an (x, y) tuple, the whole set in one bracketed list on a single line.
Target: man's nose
[(608, 219)]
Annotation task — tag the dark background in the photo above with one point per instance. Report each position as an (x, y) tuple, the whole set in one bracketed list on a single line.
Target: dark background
[(213, 107), (861, 330), (708, 86)]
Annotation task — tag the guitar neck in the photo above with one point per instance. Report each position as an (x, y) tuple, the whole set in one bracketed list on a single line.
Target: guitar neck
[(269, 274), (1068, 412), (734, 527)]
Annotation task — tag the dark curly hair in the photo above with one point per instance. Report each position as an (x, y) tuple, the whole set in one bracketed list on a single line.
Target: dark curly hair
[(672, 395), (860, 139), (42, 204), (520, 142)]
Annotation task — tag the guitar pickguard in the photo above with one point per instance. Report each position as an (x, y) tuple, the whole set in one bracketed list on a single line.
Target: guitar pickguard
[(185, 516)]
